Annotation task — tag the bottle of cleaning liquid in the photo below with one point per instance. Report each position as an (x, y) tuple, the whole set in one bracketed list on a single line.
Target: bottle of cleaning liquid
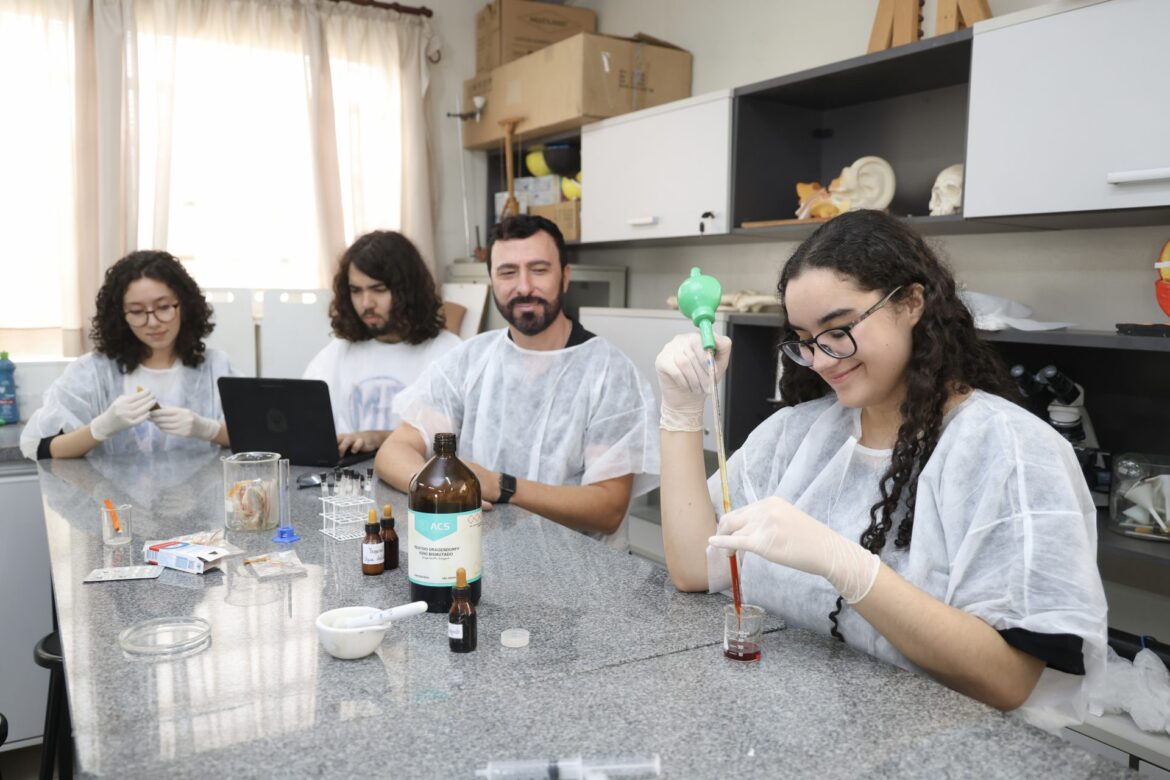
[(9, 414)]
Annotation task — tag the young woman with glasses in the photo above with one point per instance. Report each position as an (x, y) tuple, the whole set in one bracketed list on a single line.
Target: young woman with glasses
[(150, 383), (901, 501)]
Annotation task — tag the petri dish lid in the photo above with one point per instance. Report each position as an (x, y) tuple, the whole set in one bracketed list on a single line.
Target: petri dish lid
[(165, 636), (514, 637)]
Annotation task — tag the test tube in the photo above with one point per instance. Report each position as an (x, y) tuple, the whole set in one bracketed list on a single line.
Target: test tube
[(369, 486), (324, 485)]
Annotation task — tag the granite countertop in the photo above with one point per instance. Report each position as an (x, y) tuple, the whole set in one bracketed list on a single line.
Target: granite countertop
[(10, 443), (619, 664)]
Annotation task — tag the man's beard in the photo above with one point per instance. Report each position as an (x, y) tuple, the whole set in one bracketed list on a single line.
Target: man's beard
[(377, 331), (533, 322)]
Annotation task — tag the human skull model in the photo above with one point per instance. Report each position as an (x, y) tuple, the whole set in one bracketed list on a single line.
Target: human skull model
[(946, 196)]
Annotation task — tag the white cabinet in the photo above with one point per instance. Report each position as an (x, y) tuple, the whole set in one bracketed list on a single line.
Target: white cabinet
[(641, 334), (25, 605), (1070, 112), (655, 173)]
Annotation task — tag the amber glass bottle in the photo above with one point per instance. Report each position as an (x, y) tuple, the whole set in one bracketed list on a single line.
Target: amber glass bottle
[(444, 528), (389, 538), (373, 551), (461, 618)]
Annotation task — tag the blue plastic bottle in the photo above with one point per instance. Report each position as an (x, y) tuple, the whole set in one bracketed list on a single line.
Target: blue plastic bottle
[(9, 414)]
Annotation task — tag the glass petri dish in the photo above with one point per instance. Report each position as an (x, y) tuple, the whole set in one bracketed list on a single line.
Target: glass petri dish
[(166, 636)]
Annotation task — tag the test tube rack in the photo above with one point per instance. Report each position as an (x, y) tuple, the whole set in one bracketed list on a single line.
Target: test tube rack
[(344, 517)]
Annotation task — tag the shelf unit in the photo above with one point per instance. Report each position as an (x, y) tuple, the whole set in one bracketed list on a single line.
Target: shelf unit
[(907, 105)]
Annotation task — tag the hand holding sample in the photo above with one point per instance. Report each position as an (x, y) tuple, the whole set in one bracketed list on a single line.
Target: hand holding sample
[(125, 412), (776, 530)]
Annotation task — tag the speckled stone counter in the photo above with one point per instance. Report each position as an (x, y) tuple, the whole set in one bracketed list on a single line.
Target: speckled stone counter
[(10, 443), (620, 664)]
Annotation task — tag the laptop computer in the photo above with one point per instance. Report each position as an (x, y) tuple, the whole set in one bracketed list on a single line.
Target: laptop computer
[(289, 416)]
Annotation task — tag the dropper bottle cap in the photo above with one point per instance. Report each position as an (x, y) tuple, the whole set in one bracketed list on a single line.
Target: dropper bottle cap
[(460, 580), (387, 515), (372, 521)]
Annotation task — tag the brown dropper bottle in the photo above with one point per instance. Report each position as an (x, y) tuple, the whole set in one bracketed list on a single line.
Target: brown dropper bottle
[(461, 619), (373, 549), (389, 538)]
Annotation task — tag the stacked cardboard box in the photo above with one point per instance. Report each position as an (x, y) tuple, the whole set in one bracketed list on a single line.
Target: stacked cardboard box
[(574, 82), (506, 30)]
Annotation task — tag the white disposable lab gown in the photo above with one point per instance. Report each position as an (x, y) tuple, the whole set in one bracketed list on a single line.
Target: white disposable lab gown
[(1004, 529), (93, 381), (365, 377), (572, 416)]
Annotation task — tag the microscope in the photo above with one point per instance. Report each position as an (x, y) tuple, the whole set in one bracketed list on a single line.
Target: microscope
[(1053, 396)]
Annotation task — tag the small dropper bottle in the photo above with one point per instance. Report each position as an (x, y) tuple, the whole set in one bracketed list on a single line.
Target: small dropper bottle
[(373, 549), (461, 619), (389, 538)]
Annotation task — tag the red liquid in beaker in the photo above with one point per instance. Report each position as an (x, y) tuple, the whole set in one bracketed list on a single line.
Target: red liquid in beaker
[(742, 651)]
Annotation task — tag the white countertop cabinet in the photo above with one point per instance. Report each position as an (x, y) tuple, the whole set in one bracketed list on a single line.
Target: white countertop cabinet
[(654, 173), (1069, 112)]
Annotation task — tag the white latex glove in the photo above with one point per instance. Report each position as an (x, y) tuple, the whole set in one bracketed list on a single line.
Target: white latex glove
[(178, 421), (685, 379), (125, 412), (776, 530)]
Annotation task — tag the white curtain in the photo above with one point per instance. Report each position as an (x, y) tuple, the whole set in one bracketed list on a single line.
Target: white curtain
[(384, 161), (254, 139)]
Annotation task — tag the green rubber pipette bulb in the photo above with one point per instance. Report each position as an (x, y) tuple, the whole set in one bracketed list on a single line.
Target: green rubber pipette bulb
[(698, 297)]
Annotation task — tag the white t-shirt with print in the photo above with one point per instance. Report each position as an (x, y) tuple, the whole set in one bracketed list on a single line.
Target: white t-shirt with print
[(364, 377)]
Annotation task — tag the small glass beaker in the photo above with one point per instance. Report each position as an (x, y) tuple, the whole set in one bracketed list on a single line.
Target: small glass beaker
[(1139, 497), (116, 524), (251, 491), (742, 632)]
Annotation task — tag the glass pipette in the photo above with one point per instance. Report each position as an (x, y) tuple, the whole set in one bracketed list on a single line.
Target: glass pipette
[(721, 454)]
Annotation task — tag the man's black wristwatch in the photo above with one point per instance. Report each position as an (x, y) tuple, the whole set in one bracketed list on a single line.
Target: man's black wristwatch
[(507, 488)]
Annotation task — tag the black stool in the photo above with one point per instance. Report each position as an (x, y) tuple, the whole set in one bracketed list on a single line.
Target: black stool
[(58, 740), (3, 729)]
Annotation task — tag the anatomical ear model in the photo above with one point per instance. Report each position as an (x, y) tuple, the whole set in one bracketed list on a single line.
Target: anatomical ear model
[(868, 183)]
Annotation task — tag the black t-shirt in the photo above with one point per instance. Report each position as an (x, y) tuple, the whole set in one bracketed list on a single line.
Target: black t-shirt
[(578, 335)]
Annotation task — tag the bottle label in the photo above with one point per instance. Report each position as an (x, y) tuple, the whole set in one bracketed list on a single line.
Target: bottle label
[(373, 553), (443, 542), (454, 630)]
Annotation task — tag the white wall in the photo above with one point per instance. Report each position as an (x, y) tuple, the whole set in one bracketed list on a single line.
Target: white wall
[(1095, 278), (454, 22)]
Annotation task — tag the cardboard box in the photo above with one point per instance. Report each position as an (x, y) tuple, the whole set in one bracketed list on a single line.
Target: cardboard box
[(541, 190), (502, 198), (574, 82), (566, 215), (506, 30), (184, 556)]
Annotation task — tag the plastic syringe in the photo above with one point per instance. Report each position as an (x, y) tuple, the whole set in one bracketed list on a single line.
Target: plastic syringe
[(572, 768), (387, 615)]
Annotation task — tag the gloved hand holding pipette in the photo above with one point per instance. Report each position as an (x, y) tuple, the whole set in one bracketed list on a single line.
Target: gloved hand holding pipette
[(776, 530), (685, 379)]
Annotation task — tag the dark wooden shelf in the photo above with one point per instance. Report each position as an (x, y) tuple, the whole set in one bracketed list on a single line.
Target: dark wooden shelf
[(1093, 339), (933, 63)]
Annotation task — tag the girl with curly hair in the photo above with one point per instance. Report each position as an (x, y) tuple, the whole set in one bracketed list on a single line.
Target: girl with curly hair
[(901, 501), (150, 383)]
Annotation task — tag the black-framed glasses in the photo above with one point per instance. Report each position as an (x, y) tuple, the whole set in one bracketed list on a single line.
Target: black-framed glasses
[(164, 312), (835, 342)]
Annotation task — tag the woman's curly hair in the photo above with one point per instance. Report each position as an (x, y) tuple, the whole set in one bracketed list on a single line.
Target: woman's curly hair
[(110, 332), (879, 252), (389, 257)]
